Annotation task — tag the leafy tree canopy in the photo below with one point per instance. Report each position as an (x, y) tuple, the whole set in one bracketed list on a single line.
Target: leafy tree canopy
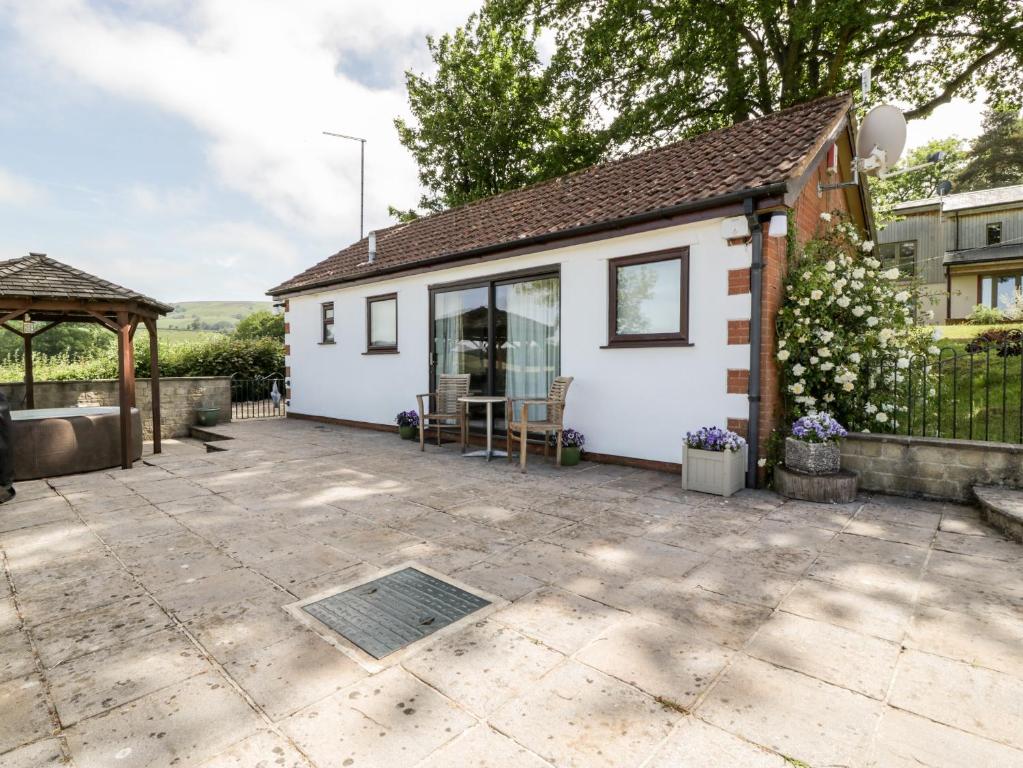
[(888, 192), (630, 74), (996, 156), (261, 325), (493, 116)]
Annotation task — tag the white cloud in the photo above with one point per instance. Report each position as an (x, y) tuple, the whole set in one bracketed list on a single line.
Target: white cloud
[(261, 79), (18, 191), (957, 118)]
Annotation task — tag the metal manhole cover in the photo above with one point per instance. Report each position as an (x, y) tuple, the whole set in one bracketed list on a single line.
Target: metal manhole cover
[(385, 615)]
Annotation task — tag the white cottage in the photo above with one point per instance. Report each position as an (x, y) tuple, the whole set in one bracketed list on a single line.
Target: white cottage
[(651, 280)]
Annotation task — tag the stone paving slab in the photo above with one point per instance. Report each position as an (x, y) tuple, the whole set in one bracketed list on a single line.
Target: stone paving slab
[(793, 714), (16, 659), (695, 743), (26, 718), (462, 665), (181, 725), (700, 631), (391, 719), (905, 740), (106, 679), (973, 699), (576, 715), (833, 654), (41, 754)]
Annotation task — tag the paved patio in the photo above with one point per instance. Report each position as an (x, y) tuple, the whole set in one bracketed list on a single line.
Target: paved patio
[(141, 619)]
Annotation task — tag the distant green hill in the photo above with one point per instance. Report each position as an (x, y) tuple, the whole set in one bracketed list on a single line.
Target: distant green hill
[(220, 316)]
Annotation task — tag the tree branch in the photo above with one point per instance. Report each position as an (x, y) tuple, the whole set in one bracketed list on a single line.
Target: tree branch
[(952, 86)]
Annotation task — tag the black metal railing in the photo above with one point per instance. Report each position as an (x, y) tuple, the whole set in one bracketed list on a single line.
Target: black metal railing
[(968, 394), (262, 397)]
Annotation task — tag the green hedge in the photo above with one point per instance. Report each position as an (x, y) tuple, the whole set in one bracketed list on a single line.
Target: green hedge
[(220, 356)]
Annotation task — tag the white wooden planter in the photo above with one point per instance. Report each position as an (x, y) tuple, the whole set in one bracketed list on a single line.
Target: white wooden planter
[(719, 472)]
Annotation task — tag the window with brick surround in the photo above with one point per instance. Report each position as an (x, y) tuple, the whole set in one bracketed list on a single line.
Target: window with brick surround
[(648, 299), (327, 322)]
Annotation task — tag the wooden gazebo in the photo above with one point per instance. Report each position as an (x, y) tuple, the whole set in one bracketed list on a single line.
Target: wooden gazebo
[(42, 293)]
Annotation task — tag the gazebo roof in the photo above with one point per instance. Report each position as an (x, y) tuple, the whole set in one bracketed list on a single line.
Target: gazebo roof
[(38, 278)]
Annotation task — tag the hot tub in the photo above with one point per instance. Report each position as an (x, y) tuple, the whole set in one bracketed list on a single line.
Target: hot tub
[(49, 442)]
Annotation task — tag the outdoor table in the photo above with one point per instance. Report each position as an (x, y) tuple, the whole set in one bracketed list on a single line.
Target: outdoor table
[(489, 401)]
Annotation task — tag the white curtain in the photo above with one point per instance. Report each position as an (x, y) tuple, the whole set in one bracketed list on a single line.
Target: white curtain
[(533, 352), (448, 333)]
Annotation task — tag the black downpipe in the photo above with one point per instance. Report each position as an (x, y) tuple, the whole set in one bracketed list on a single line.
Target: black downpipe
[(756, 281)]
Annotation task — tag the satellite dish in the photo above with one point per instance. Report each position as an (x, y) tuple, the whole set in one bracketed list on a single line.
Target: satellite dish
[(882, 139)]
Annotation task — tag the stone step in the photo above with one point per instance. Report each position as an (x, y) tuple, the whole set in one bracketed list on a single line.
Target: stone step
[(1003, 508), (208, 434)]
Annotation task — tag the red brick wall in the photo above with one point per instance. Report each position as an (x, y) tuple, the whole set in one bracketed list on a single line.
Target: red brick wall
[(738, 331), (804, 225)]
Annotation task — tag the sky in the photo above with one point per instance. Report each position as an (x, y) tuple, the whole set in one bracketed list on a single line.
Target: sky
[(176, 147)]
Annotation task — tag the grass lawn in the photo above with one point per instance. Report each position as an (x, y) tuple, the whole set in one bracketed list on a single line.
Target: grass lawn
[(971, 396)]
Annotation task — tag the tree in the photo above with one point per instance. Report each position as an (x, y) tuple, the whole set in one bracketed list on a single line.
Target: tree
[(261, 325), (668, 68), (492, 117), (996, 156), (632, 74), (888, 192)]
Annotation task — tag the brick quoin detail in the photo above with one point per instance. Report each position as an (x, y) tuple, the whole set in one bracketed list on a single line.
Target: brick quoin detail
[(738, 381), (287, 305), (287, 370), (738, 281), (287, 327), (738, 331), (287, 349), (739, 426), (806, 213)]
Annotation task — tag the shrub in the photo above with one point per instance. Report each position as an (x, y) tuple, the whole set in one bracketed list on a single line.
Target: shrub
[(982, 314), (1006, 342), (218, 356), (843, 316)]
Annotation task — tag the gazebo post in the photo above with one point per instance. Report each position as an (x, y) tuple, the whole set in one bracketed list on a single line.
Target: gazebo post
[(154, 380), (124, 373), (30, 393)]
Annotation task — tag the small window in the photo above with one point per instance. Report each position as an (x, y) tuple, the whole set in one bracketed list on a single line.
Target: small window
[(994, 233), (901, 255), (327, 318), (382, 323), (648, 301)]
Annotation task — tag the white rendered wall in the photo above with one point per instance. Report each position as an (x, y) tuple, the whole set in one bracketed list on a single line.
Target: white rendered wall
[(628, 402)]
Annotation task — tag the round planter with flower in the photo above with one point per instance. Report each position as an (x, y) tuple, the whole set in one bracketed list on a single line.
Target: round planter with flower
[(713, 461), (572, 443), (812, 447), (408, 424)]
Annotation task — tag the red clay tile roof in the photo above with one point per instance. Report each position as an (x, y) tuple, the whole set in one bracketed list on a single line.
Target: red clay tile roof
[(746, 156), (37, 276)]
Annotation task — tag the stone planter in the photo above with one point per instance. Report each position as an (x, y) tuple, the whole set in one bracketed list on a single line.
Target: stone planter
[(812, 458), (718, 472), (570, 455), (408, 433)]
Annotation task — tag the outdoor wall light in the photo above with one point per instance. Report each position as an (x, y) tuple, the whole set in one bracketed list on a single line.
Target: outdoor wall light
[(779, 225)]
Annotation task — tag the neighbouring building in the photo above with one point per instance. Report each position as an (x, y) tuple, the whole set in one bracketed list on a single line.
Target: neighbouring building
[(648, 279), (965, 249)]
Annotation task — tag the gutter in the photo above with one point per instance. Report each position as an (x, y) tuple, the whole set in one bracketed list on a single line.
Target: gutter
[(755, 336), (766, 190)]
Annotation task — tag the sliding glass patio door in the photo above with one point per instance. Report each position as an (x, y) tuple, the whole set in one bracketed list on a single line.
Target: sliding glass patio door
[(505, 333)]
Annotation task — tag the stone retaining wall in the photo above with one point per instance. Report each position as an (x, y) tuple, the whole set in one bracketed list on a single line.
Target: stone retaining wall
[(179, 397), (929, 466)]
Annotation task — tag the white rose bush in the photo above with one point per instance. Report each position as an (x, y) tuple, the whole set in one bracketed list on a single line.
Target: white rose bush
[(846, 334)]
